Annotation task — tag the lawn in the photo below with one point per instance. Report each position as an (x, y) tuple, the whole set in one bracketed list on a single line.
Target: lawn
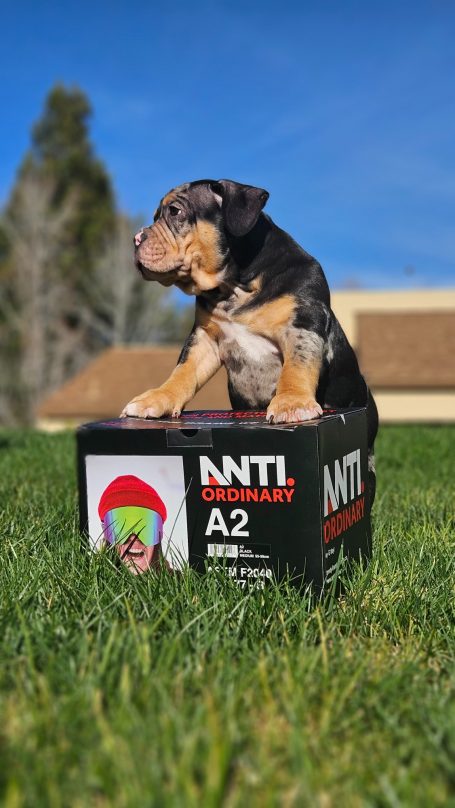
[(181, 691)]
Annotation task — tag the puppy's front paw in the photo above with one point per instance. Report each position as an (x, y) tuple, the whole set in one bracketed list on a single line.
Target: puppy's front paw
[(151, 404), (287, 409)]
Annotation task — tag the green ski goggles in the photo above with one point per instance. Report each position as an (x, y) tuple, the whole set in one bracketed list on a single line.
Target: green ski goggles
[(120, 524)]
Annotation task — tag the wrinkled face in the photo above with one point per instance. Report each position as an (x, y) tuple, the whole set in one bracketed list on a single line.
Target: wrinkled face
[(183, 245)]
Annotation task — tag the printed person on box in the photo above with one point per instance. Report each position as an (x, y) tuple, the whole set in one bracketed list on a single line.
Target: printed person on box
[(132, 516)]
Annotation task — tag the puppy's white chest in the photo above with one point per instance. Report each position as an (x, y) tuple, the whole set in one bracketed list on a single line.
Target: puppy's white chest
[(253, 364), (236, 338)]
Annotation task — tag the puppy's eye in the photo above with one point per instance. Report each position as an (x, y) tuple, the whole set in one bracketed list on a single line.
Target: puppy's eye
[(174, 210)]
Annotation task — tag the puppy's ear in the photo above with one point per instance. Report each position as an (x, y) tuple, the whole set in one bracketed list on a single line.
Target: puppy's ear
[(240, 205)]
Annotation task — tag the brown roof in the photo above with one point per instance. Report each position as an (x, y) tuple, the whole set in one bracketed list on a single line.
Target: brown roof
[(103, 388), (407, 350)]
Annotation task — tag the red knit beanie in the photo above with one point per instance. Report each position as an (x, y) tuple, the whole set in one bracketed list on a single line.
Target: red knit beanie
[(130, 490)]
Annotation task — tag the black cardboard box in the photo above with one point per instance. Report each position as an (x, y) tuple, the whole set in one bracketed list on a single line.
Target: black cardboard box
[(263, 500)]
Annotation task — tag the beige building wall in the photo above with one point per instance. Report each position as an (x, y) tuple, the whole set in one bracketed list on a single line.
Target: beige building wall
[(430, 407), (404, 406), (347, 304)]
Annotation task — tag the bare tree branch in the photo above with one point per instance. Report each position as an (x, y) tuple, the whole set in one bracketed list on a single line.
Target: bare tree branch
[(33, 308), (127, 309)]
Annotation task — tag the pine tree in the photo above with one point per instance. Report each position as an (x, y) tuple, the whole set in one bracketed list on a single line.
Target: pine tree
[(68, 283), (47, 259), (62, 153)]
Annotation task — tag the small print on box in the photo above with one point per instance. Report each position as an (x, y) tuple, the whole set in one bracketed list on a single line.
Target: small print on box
[(136, 506)]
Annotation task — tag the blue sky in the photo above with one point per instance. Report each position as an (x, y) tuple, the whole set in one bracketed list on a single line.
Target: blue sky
[(344, 111)]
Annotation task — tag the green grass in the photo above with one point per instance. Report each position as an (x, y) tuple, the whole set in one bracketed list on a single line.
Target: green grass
[(182, 691)]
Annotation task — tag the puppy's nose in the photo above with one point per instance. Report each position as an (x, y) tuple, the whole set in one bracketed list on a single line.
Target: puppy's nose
[(139, 238)]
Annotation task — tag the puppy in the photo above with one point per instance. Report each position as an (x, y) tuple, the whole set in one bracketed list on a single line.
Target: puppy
[(262, 310)]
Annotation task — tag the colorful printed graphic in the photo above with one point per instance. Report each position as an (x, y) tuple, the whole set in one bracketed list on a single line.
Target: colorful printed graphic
[(136, 507), (132, 515)]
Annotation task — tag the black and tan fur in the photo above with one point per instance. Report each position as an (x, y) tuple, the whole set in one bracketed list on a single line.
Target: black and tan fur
[(262, 310)]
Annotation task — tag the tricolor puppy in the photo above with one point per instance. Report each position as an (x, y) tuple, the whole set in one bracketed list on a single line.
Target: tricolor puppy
[(262, 310)]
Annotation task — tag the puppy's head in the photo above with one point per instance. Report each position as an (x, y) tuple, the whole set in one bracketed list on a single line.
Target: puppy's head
[(188, 243)]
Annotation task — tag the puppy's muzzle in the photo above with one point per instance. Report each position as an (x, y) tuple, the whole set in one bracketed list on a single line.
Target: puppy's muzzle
[(150, 251), (139, 238)]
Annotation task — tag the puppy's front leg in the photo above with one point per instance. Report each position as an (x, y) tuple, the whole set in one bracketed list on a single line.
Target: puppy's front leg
[(198, 362), (295, 397)]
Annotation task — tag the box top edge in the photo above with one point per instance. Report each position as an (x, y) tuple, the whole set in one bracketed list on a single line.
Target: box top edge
[(208, 419)]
